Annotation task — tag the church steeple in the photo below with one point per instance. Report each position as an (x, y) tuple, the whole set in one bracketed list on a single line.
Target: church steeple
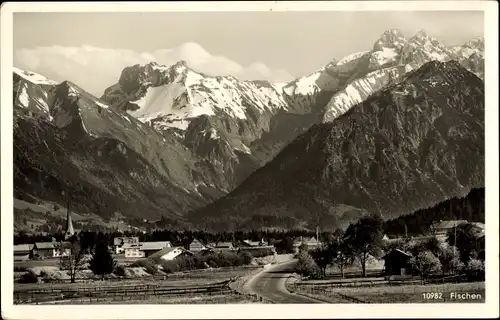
[(69, 224)]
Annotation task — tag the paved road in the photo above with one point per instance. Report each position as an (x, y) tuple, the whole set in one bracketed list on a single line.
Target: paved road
[(270, 284)]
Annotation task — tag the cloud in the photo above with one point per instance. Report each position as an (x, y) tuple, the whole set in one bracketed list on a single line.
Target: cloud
[(95, 69)]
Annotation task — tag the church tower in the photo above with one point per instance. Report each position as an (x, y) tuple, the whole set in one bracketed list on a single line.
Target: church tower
[(69, 224)]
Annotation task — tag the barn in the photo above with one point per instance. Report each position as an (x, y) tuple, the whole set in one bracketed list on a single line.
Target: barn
[(396, 262)]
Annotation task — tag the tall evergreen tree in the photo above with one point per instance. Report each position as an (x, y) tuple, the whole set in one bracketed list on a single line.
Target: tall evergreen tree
[(102, 262)]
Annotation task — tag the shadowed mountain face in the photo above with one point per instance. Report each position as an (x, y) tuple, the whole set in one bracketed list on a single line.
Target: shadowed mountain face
[(408, 146), (66, 139)]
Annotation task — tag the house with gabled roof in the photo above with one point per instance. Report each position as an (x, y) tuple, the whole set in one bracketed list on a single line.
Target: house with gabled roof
[(52, 249), (151, 247), (196, 245), (224, 246), (23, 252), (62, 249), (396, 262), (119, 242), (44, 249), (171, 253), (133, 250), (441, 228), (251, 243), (311, 243)]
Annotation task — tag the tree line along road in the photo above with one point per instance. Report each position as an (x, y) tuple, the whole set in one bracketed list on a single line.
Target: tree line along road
[(270, 284)]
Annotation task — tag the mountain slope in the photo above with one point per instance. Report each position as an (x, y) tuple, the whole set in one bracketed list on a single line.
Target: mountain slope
[(332, 90), (67, 139), (406, 147)]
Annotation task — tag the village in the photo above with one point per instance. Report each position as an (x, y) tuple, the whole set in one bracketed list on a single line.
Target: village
[(134, 260)]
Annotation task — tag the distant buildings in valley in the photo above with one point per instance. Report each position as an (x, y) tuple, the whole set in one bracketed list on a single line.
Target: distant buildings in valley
[(42, 250), (441, 229), (120, 243), (132, 248), (311, 243), (396, 260), (50, 249), (23, 252)]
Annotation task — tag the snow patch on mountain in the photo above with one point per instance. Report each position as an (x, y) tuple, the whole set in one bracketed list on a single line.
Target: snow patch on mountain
[(382, 57), (102, 105), (33, 77), (23, 97), (351, 57), (305, 85), (358, 90), (279, 86), (172, 96)]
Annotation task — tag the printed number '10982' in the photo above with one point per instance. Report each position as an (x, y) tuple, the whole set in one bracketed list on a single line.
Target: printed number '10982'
[(432, 295)]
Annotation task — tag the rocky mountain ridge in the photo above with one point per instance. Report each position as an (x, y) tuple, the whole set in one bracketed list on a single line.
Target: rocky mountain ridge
[(195, 137), (410, 145)]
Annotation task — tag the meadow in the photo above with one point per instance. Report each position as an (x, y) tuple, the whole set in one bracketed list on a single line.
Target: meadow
[(403, 293)]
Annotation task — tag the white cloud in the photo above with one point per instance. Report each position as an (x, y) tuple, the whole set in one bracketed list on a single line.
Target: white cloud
[(95, 69)]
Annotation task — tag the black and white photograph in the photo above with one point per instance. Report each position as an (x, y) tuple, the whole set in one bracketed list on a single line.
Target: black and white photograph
[(250, 157)]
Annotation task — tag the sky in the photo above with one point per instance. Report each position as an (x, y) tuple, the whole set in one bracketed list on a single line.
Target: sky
[(91, 49)]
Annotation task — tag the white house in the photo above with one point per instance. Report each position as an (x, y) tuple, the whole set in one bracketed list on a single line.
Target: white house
[(441, 228), (62, 249), (119, 242), (311, 243), (52, 249), (133, 250)]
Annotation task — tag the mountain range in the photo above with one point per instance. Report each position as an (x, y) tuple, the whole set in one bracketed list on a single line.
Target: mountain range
[(167, 140), (407, 146)]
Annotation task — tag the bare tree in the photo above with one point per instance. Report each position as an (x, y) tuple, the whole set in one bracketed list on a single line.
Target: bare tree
[(74, 261), (343, 255)]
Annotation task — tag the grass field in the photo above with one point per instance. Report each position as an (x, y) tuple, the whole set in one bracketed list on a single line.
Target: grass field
[(172, 280), (439, 293), (225, 298), (54, 262), (104, 292)]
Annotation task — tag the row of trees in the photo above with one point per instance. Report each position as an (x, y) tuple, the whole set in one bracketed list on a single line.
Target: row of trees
[(178, 238), (360, 241), (462, 253)]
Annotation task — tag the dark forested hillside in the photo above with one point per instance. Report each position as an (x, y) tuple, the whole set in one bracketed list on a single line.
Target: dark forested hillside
[(470, 208)]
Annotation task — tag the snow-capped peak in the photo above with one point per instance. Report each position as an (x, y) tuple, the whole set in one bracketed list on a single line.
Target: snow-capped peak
[(477, 43), (422, 38), (172, 96), (33, 77), (390, 39)]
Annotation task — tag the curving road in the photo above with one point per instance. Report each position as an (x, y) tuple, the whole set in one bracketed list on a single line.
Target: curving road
[(270, 284)]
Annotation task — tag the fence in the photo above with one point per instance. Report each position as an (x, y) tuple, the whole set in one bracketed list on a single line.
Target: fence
[(181, 274), (115, 292)]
